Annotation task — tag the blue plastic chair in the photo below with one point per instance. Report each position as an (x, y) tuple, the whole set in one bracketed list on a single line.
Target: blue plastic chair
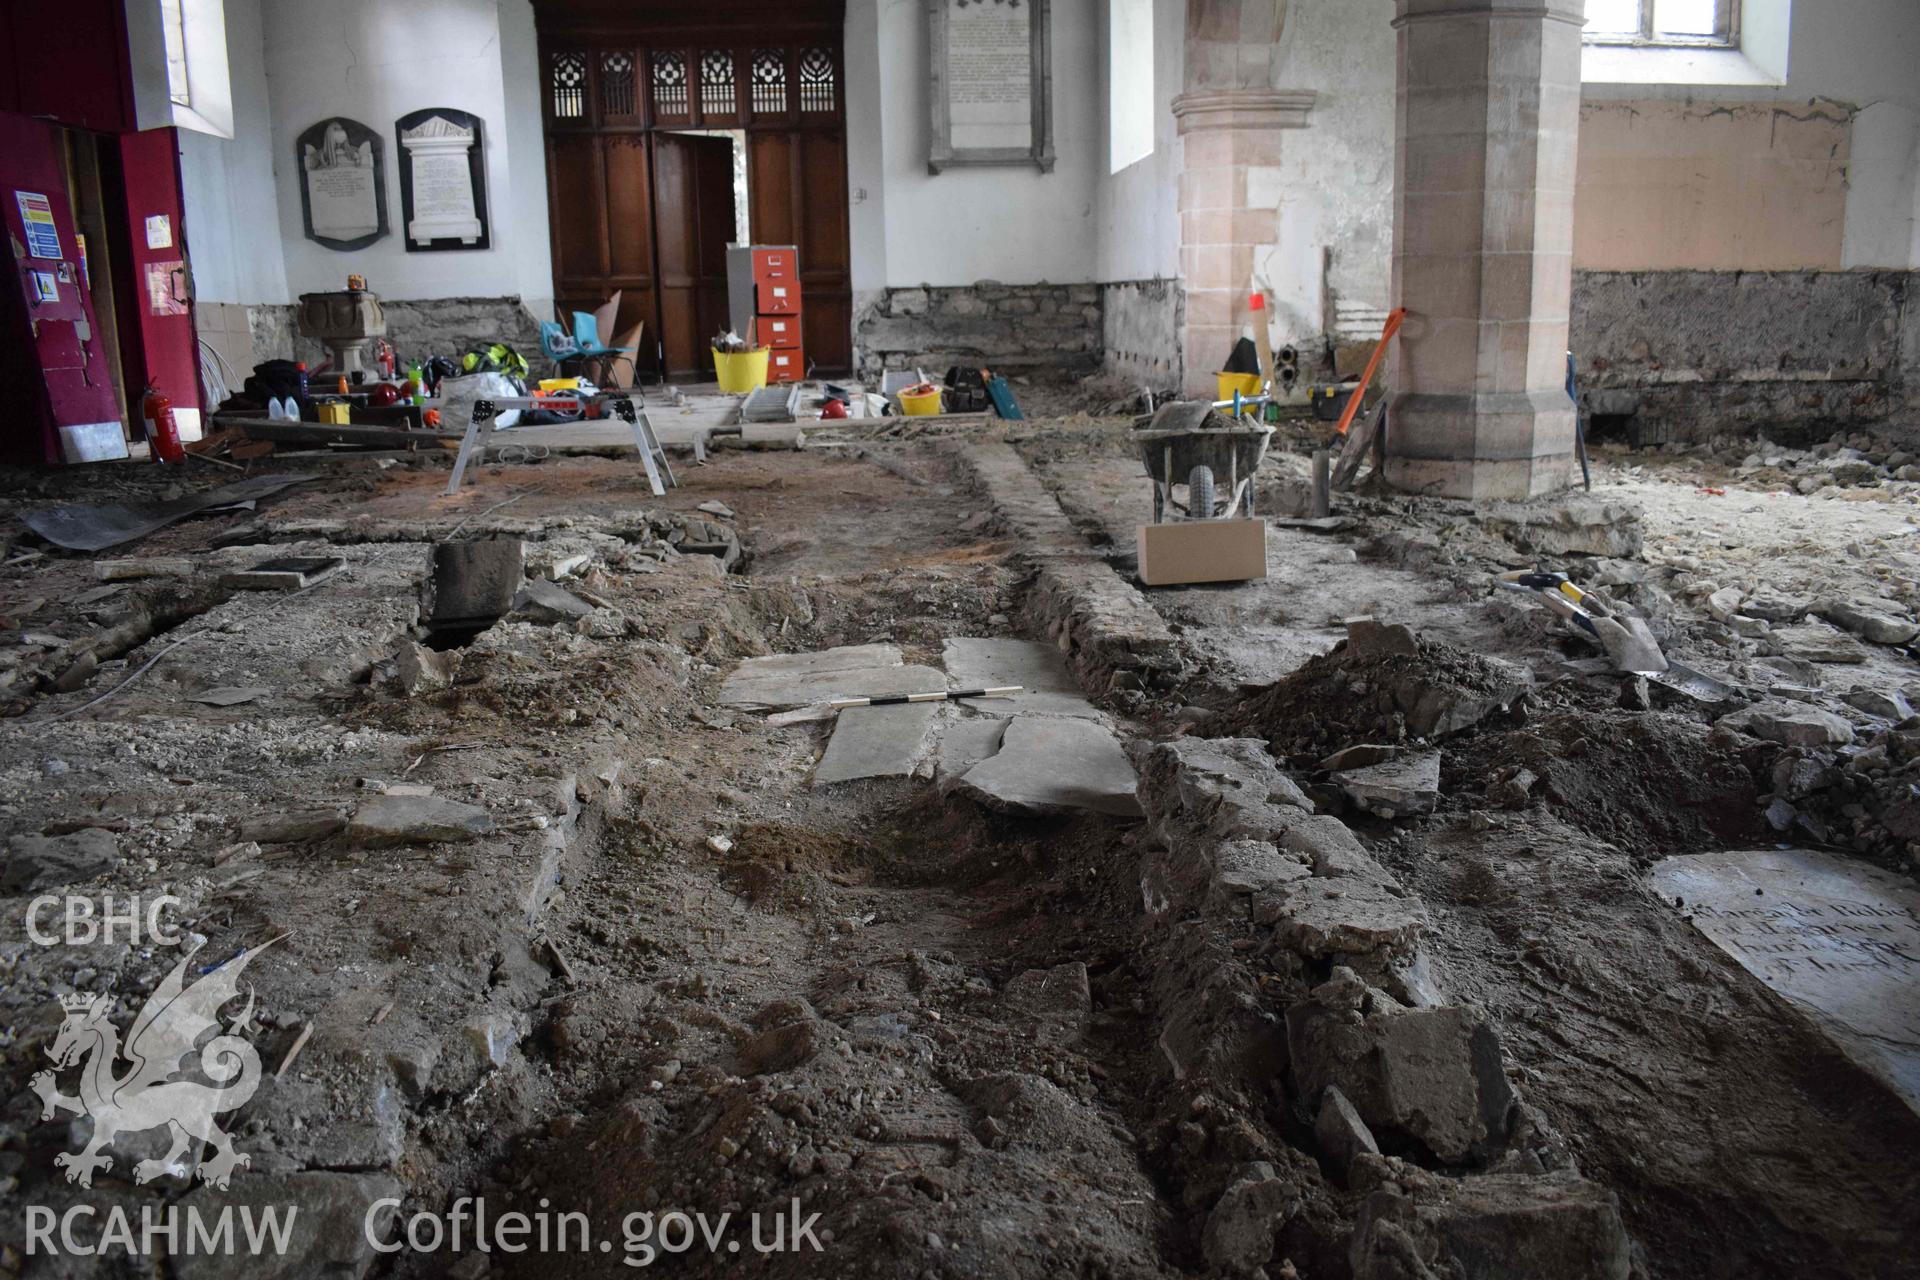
[(559, 346), (594, 354)]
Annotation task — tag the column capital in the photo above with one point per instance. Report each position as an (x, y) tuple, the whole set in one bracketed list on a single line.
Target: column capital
[(1243, 109), (1570, 11)]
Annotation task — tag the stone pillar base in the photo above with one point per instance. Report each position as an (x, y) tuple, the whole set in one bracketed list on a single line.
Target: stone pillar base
[(1509, 445)]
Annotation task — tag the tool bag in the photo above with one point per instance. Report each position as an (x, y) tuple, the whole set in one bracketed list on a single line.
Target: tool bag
[(966, 391)]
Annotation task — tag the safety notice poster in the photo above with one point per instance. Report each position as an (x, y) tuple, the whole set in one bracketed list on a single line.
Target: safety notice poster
[(36, 219)]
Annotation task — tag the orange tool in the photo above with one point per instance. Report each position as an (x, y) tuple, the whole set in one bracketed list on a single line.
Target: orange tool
[(1394, 318)]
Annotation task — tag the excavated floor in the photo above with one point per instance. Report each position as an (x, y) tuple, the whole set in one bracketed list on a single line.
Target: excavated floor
[(674, 974)]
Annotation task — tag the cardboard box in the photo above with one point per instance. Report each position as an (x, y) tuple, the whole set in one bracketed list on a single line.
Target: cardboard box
[(1203, 551)]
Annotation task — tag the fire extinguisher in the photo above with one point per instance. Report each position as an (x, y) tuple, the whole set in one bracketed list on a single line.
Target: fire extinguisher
[(163, 435)]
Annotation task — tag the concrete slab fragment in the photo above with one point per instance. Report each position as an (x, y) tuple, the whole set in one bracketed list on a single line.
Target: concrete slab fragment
[(876, 742), (1837, 937), (1046, 686), (1052, 764), (796, 679)]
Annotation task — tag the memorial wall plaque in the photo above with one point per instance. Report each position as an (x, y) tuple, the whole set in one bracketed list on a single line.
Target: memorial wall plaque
[(343, 184), (443, 180), (990, 83)]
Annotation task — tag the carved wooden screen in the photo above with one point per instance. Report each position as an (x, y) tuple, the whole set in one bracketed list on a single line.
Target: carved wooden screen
[(618, 75)]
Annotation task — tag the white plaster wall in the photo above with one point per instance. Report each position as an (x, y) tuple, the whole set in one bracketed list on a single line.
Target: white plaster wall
[(1335, 179), (374, 62), (866, 142), (1137, 215), (227, 185), (1864, 54), (530, 247), (1015, 225)]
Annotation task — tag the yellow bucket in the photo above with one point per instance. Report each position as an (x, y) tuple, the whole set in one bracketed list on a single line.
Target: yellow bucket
[(740, 372), (922, 405), (1247, 384)]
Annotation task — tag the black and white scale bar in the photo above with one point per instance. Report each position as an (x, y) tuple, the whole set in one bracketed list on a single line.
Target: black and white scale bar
[(891, 699)]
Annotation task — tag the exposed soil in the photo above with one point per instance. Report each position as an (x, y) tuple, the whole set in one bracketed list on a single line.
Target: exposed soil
[(973, 1044)]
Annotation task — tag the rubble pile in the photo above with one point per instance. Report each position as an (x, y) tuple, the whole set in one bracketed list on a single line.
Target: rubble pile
[(1381, 685)]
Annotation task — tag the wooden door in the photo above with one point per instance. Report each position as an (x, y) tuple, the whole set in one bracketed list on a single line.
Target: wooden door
[(693, 221), (53, 364)]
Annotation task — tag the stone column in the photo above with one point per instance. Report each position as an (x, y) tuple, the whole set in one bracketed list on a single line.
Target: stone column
[(1488, 111), (1229, 197)]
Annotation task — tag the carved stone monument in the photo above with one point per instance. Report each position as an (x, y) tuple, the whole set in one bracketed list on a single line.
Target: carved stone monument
[(443, 187), (990, 83), (343, 184)]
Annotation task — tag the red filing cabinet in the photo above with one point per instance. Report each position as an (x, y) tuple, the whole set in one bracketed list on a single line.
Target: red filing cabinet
[(763, 302)]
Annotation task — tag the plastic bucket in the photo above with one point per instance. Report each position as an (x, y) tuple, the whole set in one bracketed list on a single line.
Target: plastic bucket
[(740, 372), (920, 406), (1247, 384)]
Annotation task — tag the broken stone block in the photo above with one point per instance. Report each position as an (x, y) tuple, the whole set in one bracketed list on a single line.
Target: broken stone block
[(1229, 785), (1434, 710), (1725, 602), (296, 827), (1577, 524), (1368, 638), (1793, 724), (1323, 918), (418, 669), (1772, 609), (1243, 867), (474, 581), (1240, 1231), (385, 820), (1491, 1227), (1334, 850), (1340, 1131), (542, 600), (1396, 789), (49, 862), (1434, 1075), (1879, 621), (1888, 705), (1359, 756)]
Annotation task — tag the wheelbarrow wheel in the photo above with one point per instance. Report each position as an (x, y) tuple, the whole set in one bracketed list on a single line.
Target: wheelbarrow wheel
[(1200, 493)]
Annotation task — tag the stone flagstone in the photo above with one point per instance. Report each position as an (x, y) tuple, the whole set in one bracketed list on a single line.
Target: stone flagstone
[(1053, 764)]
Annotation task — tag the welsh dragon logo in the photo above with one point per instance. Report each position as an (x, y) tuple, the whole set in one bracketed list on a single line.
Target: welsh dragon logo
[(155, 1091)]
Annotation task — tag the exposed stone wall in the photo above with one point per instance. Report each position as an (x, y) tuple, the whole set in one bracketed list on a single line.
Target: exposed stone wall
[(1140, 331), (1008, 327), (1794, 355), (434, 326)]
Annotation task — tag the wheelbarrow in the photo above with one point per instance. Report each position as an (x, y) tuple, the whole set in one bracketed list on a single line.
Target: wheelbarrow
[(1187, 442)]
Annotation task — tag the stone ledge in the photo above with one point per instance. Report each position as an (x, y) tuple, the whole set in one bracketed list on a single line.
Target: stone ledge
[(1243, 109)]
